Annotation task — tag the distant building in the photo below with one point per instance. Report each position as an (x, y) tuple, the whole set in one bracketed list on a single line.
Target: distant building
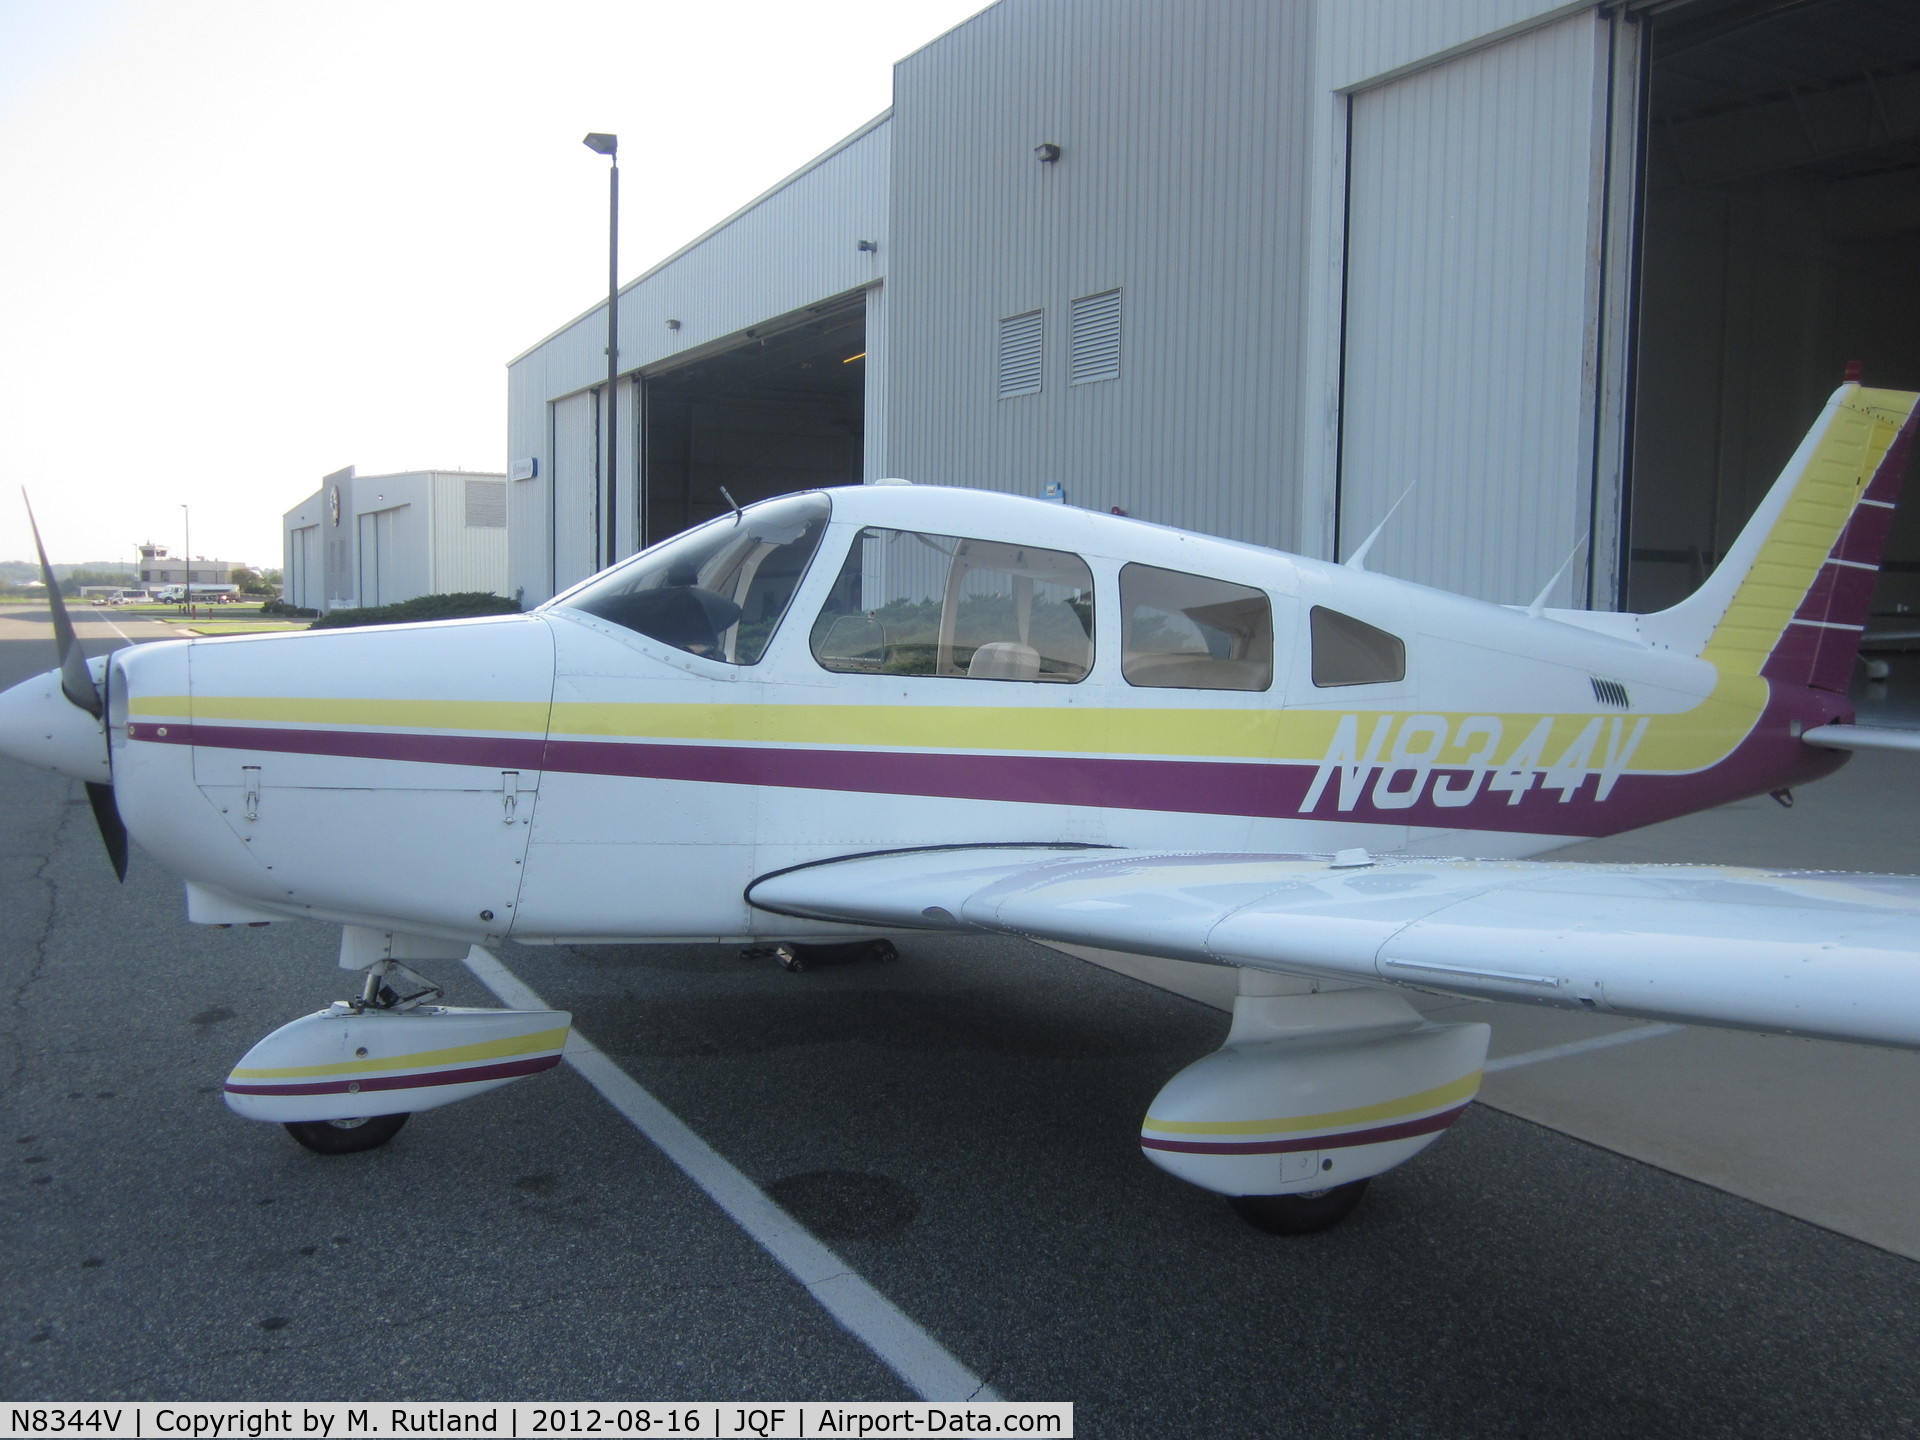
[(378, 539), (158, 568)]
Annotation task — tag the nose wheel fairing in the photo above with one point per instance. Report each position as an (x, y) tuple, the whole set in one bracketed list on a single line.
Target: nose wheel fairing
[(388, 1053)]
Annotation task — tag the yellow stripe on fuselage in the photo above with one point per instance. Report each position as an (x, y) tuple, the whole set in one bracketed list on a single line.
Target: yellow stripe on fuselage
[(419, 1060), (1462, 1089), (1674, 743), (520, 716)]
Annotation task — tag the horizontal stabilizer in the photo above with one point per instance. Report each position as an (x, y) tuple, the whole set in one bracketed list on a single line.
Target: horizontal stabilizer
[(1862, 737), (1790, 952)]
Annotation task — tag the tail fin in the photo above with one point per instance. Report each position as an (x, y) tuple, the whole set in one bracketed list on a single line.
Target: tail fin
[(1790, 599)]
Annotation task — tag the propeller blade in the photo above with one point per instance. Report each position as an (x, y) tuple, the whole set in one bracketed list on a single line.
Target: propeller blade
[(76, 682), (113, 830)]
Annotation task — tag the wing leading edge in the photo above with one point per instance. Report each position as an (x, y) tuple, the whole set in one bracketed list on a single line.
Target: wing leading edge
[(1791, 952)]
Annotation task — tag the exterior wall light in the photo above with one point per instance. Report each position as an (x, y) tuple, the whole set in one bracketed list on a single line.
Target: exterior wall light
[(1046, 154)]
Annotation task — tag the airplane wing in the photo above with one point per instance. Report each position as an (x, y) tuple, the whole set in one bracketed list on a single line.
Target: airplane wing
[(1790, 952)]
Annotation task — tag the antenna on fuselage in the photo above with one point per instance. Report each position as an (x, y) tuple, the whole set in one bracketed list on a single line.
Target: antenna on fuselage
[(1540, 601), (727, 495), (1358, 560)]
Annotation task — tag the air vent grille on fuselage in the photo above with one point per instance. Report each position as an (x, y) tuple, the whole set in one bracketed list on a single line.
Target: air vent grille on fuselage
[(1610, 692)]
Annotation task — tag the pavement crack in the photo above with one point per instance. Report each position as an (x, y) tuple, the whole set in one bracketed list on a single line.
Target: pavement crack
[(42, 876)]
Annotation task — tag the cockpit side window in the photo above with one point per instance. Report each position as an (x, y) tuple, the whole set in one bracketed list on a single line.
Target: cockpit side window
[(1347, 651), (909, 603), (718, 591), (1190, 632)]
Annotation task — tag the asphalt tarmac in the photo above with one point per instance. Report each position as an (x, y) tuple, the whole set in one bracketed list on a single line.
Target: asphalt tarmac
[(959, 1127)]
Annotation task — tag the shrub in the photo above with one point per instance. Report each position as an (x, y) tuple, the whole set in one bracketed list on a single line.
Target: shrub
[(292, 612), (458, 606)]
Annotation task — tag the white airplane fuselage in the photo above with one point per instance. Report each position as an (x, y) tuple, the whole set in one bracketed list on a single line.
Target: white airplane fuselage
[(558, 777)]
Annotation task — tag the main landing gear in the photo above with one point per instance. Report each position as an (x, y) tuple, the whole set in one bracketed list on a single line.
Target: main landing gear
[(345, 1137), (1314, 1093)]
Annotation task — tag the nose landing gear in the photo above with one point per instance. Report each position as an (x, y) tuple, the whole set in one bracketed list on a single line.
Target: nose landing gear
[(345, 1078)]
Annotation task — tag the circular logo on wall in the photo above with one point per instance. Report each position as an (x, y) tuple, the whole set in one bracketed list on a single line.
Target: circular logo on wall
[(333, 503)]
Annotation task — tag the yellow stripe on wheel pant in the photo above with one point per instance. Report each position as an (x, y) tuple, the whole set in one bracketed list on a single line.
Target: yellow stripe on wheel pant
[(420, 1059), (1454, 1090)]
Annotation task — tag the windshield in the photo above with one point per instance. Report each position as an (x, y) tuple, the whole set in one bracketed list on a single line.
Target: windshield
[(719, 590)]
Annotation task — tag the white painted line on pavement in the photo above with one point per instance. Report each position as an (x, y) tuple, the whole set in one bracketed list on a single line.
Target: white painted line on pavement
[(906, 1349), (1581, 1047)]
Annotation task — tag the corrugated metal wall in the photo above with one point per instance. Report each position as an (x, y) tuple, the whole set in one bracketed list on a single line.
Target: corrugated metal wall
[(793, 247), (336, 538), (468, 555), (1180, 182), (573, 488), (300, 580), (1474, 221)]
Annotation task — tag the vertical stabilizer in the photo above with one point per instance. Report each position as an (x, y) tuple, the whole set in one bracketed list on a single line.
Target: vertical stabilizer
[(1790, 599)]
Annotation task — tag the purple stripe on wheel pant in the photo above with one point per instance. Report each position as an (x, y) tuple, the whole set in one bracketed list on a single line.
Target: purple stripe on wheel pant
[(1406, 1129), (506, 1070)]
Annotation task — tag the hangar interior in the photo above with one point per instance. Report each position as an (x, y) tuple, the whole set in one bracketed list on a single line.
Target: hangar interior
[(1780, 240), (783, 409)]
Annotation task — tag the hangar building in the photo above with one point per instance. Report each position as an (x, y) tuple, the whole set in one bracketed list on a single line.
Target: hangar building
[(379, 539), (1572, 278)]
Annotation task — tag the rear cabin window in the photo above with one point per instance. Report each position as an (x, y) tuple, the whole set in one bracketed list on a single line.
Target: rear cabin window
[(910, 603), (1347, 651), (1189, 632), (718, 591)]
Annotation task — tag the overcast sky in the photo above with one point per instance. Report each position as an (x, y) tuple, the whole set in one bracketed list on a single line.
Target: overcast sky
[(246, 242)]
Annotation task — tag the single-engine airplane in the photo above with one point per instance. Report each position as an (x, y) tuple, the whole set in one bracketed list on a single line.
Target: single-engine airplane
[(885, 709)]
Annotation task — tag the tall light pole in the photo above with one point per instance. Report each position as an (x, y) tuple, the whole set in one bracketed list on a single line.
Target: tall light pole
[(186, 520), (609, 146)]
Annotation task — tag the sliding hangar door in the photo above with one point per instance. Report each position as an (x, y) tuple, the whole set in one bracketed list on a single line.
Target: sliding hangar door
[(1599, 277)]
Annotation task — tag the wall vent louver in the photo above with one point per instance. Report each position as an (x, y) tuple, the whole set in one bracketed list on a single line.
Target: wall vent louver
[(1093, 338), (486, 505), (1610, 692), (1020, 355)]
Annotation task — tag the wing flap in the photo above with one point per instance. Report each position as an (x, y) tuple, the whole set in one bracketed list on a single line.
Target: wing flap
[(1792, 952)]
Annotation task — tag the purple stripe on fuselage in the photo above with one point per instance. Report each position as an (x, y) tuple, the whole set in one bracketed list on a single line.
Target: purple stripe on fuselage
[(1770, 757), (489, 751)]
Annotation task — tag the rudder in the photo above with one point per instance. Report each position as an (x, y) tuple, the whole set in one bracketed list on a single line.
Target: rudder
[(1790, 600)]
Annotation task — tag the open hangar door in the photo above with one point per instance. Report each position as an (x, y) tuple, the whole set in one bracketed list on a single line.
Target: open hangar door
[(780, 410), (1780, 240)]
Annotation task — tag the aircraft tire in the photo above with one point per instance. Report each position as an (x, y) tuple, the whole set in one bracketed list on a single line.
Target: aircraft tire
[(345, 1137), (1299, 1214)]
